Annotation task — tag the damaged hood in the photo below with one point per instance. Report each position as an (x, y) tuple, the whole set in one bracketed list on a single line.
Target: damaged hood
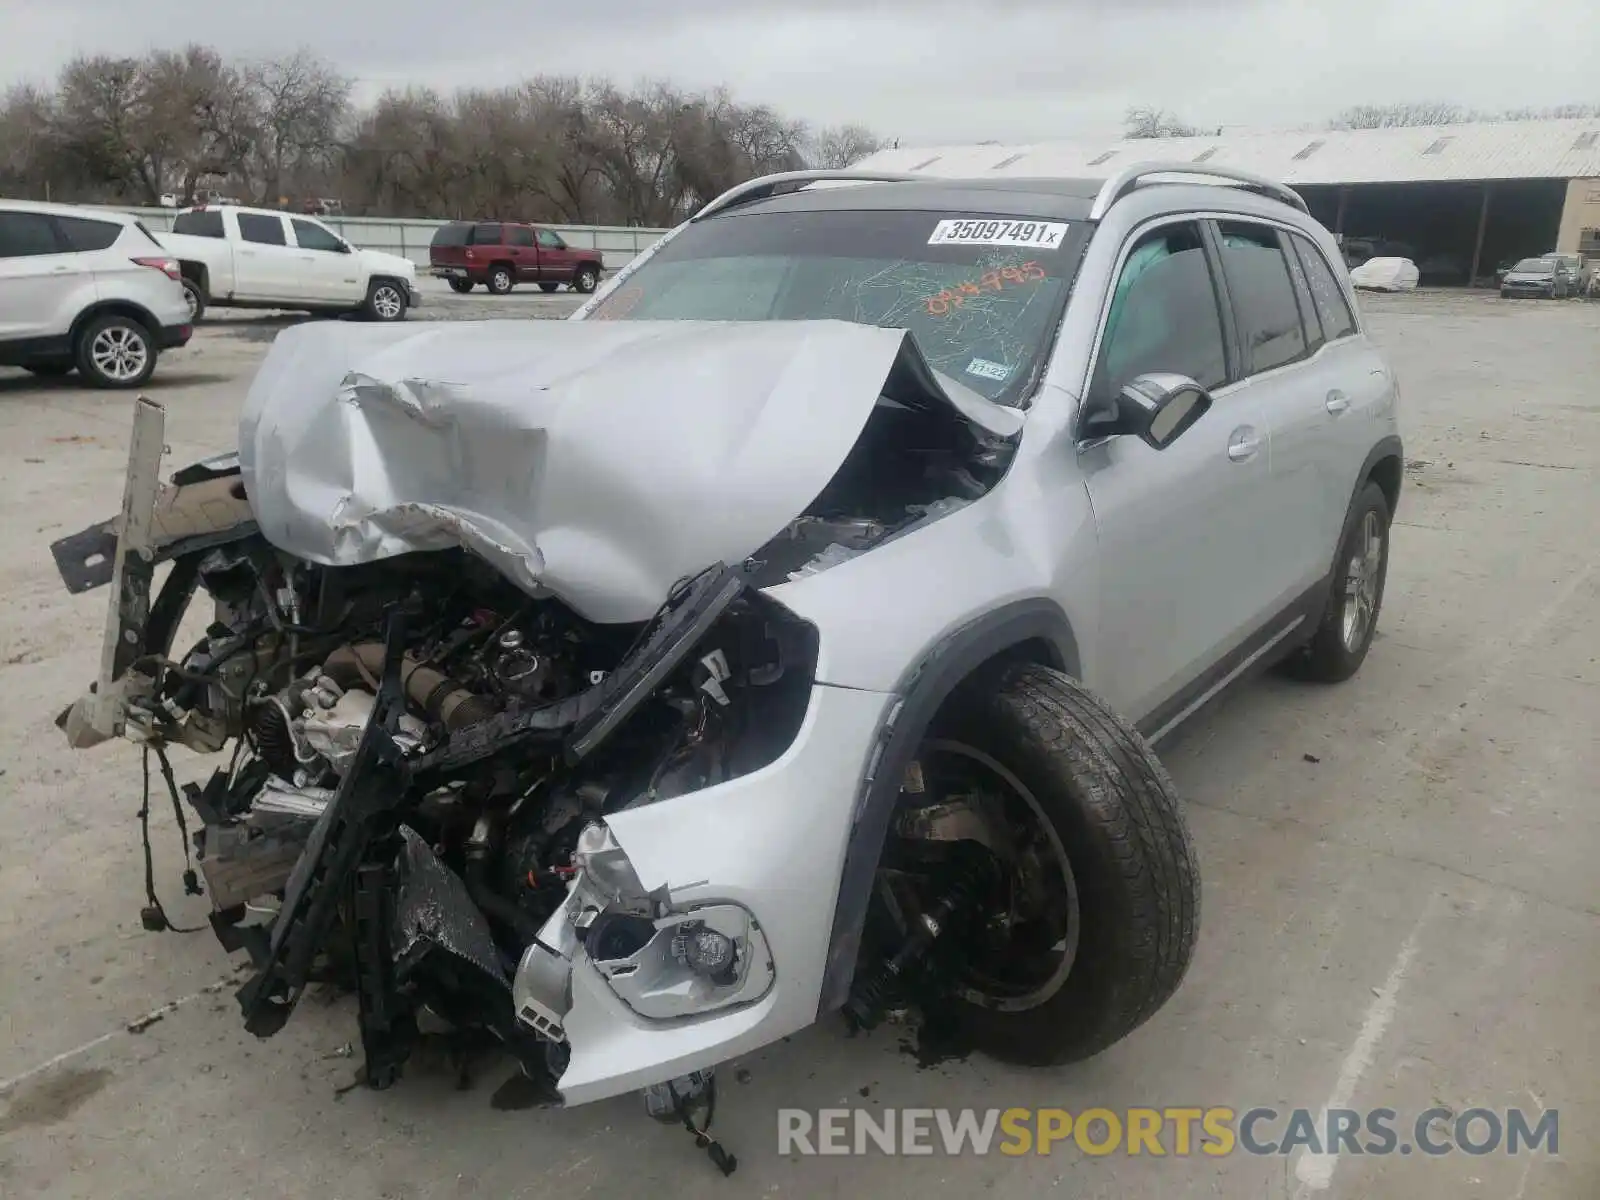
[(598, 461)]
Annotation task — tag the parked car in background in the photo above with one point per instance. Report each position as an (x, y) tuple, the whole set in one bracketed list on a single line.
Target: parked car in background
[(1570, 266), (502, 254), (91, 291), (1545, 276), (233, 257)]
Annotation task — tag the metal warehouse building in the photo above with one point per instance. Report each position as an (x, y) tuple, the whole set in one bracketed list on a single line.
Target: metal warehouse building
[(1458, 199)]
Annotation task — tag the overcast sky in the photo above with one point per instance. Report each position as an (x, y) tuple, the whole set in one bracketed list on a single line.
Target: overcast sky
[(920, 70)]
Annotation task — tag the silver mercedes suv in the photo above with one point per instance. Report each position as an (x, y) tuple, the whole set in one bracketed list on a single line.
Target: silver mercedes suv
[(787, 634)]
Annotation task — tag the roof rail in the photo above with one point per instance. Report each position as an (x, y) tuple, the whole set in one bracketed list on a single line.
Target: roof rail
[(772, 185), (1128, 180)]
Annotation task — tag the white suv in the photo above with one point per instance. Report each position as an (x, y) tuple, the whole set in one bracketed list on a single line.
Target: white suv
[(86, 289), (786, 635)]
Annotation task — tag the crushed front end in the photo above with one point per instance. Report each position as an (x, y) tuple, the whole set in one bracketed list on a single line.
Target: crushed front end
[(508, 743)]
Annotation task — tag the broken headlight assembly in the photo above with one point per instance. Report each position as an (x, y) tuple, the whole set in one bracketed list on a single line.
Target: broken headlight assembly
[(663, 961)]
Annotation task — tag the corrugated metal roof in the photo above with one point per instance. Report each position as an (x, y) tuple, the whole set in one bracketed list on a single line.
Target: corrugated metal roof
[(1566, 149)]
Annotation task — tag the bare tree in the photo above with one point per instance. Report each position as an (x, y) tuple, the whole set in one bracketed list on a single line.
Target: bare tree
[(28, 147), (302, 101), (1394, 116), (555, 148), (842, 146), (1147, 122)]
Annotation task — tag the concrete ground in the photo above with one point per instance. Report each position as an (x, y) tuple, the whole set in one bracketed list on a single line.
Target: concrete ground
[(1402, 907)]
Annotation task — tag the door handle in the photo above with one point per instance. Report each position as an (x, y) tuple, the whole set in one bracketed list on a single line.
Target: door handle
[(1243, 444), (1337, 402)]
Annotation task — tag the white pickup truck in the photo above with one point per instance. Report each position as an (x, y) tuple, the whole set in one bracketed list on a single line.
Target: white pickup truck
[(234, 257)]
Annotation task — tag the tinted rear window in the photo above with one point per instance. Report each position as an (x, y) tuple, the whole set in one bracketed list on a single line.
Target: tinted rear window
[(1263, 296), (451, 235), (82, 233), (198, 224), (262, 229)]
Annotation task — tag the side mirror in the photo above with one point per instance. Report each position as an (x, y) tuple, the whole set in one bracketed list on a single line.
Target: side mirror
[(344, 247), (1157, 408)]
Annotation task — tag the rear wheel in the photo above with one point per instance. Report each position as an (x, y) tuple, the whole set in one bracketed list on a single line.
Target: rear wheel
[(1092, 917), (1340, 644), (115, 352), (196, 299), (501, 280), (587, 278), (463, 286)]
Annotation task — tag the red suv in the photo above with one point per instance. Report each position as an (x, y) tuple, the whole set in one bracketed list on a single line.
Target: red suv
[(502, 254)]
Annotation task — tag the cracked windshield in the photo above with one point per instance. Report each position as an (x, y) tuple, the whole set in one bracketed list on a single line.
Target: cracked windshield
[(980, 294)]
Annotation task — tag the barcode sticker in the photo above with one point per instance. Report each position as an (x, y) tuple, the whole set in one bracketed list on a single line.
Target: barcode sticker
[(1043, 235)]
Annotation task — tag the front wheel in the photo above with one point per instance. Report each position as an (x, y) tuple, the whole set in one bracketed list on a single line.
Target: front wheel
[(587, 279), (386, 300), (1341, 641), (1103, 884), (115, 352)]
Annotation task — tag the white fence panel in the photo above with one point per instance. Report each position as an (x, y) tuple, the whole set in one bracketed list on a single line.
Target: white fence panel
[(410, 237)]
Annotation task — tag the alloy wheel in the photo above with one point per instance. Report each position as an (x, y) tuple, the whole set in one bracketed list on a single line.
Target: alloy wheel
[(119, 353), (1361, 582), (386, 302)]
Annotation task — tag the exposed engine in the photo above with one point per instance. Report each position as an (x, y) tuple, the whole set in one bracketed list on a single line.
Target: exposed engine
[(423, 752)]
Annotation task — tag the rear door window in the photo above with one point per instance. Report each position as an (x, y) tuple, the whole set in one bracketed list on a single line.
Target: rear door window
[(262, 229), (1326, 294), (199, 224), (1309, 321), (83, 233), (521, 236), (1164, 315), (26, 235), (1262, 293)]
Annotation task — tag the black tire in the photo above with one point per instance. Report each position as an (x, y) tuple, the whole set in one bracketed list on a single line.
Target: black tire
[(1117, 815), (114, 351), (1331, 656), (548, 287), (587, 278), (460, 286), (501, 280), (1504, 295), (197, 300), (386, 301), (49, 370)]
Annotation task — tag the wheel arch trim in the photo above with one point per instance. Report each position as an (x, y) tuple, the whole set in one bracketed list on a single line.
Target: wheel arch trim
[(1036, 622), (114, 308)]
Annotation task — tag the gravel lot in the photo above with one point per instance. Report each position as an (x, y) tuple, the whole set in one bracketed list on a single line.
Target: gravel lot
[(1402, 907)]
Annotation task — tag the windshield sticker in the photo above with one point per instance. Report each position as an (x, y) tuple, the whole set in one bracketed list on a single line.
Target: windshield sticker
[(940, 304), (1044, 235), (985, 369)]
